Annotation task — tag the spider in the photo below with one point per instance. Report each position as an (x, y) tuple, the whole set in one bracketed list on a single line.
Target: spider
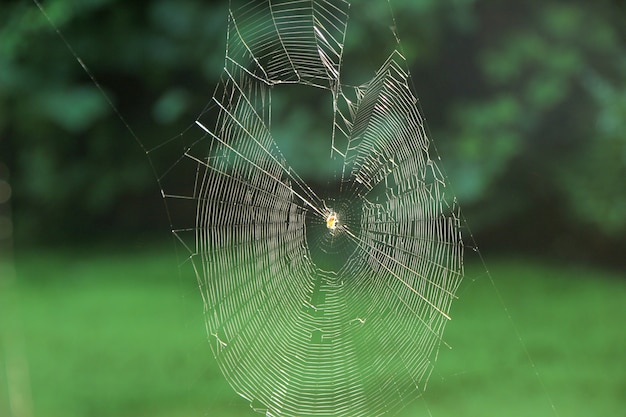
[(332, 220)]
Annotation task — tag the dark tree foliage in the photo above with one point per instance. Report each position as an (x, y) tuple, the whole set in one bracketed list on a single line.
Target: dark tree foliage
[(525, 101)]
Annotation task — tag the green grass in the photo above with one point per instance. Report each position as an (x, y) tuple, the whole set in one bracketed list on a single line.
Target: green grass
[(111, 333)]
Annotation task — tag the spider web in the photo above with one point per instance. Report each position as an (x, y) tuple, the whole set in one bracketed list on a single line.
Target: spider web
[(318, 301)]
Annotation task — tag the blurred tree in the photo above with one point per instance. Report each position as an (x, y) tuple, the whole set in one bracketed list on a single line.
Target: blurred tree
[(74, 162), (538, 150), (526, 102)]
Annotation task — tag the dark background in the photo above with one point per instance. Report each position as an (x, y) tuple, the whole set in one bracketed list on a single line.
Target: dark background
[(525, 101)]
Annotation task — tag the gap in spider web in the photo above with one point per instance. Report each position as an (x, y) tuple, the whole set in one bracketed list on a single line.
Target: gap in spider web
[(301, 125)]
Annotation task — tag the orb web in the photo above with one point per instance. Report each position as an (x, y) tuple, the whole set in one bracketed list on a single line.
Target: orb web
[(318, 302)]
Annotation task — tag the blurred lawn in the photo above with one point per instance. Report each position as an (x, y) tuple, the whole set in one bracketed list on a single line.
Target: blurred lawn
[(112, 333)]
